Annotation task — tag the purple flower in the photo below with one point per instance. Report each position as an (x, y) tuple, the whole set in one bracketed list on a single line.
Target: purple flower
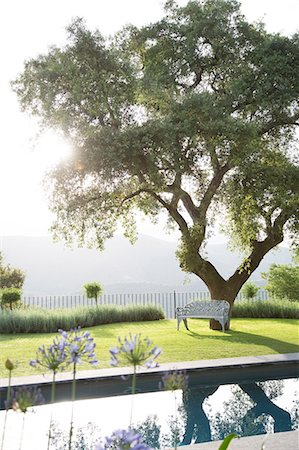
[(123, 440), (135, 351), (79, 347), (114, 350), (52, 357), (63, 333), (151, 364), (156, 351), (113, 362), (94, 362)]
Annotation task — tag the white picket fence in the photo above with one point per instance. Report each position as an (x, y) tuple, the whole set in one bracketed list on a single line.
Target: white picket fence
[(168, 301)]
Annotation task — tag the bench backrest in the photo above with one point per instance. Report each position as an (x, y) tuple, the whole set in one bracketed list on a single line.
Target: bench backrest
[(206, 307)]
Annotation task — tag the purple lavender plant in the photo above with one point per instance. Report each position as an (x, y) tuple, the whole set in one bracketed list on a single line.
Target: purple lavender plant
[(123, 440)]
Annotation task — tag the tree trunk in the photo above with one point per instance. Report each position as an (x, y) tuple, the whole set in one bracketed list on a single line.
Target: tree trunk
[(222, 291), (219, 288)]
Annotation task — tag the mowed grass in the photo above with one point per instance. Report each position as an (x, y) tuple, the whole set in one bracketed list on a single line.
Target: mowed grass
[(247, 337)]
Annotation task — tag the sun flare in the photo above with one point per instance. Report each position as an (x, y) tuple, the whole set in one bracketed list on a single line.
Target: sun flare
[(52, 149)]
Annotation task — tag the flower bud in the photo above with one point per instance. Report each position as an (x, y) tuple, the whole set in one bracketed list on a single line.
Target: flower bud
[(9, 365)]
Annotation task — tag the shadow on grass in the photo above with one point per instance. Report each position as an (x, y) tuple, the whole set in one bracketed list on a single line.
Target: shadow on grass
[(240, 337)]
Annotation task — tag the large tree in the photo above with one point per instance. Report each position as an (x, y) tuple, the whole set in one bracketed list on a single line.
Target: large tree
[(194, 115)]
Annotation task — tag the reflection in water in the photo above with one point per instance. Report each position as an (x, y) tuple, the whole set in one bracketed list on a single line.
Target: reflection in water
[(197, 423), (204, 414), (263, 405), (249, 411)]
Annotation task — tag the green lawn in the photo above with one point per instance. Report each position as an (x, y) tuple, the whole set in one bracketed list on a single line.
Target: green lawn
[(246, 337)]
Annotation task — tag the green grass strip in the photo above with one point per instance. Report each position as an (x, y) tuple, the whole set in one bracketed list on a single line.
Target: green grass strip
[(247, 337)]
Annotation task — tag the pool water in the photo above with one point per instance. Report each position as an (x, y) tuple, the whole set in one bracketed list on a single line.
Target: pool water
[(164, 418)]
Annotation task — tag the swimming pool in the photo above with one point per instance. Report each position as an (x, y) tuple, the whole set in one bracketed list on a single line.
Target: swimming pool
[(234, 395)]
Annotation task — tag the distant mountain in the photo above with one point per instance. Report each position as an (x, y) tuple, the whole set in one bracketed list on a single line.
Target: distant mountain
[(148, 266)]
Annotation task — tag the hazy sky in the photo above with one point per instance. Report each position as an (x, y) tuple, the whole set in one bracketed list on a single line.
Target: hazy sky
[(29, 28)]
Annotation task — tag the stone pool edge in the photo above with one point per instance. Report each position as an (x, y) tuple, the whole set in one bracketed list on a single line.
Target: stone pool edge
[(244, 362), (275, 441), (101, 383)]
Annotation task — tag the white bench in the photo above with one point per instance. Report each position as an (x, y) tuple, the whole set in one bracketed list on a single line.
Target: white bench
[(214, 309)]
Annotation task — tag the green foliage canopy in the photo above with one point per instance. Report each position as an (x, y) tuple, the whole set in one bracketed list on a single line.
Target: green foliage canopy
[(10, 277), (283, 280), (193, 114)]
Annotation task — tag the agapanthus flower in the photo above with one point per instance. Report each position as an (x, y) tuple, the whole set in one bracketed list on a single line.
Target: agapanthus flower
[(79, 346), (174, 380), (23, 398), (135, 351), (53, 357), (123, 440)]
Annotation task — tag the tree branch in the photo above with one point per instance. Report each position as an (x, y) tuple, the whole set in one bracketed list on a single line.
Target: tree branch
[(282, 121), (212, 189), (181, 194), (177, 217), (261, 248)]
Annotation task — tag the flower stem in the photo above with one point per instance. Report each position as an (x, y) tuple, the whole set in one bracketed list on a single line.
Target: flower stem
[(9, 385), (53, 388), (176, 424), (6, 412), (134, 381), (51, 414), (133, 390), (72, 411), (22, 431)]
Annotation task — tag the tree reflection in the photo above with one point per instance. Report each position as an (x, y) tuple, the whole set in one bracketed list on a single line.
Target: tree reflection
[(263, 405), (197, 422), (249, 411)]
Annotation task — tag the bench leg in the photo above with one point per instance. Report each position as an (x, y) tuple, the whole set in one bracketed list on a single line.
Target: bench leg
[(228, 324), (178, 324), (186, 325)]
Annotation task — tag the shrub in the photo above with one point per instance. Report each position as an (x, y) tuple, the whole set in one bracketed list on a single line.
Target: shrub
[(10, 296), (273, 308), (38, 320), (93, 290), (249, 291)]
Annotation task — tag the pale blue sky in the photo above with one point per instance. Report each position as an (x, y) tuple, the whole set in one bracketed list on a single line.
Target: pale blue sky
[(29, 28)]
